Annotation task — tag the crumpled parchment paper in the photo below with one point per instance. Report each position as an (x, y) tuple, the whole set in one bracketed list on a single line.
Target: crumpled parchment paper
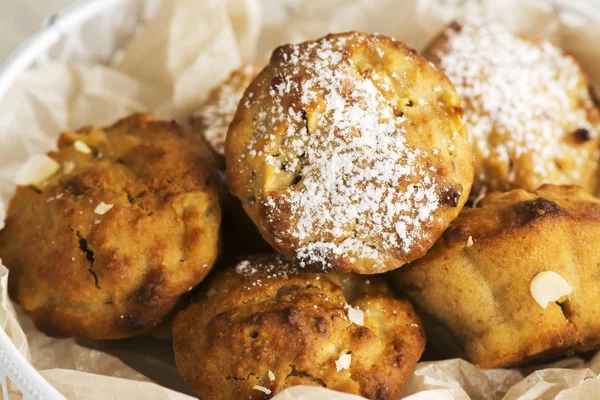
[(163, 57)]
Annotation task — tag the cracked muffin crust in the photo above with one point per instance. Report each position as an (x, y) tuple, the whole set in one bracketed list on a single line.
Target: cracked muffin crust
[(105, 247), (476, 290), (349, 153), (288, 327), (529, 108), (213, 117)]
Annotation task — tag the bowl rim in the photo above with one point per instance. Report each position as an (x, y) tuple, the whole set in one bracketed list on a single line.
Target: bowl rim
[(22, 374)]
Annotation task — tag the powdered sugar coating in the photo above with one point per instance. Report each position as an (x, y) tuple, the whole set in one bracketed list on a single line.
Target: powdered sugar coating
[(343, 179), (215, 115), (523, 102), (275, 267)]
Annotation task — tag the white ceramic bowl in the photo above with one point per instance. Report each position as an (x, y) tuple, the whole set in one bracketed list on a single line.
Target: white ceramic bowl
[(46, 45)]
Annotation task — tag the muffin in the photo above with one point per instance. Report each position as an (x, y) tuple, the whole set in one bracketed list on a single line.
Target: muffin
[(267, 325), (240, 235), (214, 116), (125, 219), (514, 281), (529, 108), (349, 153)]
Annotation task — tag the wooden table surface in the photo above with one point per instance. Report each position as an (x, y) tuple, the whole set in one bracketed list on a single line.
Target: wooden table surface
[(20, 19)]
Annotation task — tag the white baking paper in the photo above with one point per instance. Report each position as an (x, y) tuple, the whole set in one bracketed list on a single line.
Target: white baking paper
[(163, 57)]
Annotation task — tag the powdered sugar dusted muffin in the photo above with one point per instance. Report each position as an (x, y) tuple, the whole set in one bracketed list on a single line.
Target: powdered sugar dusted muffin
[(214, 116), (349, 153), (528, 107), (267, 325)]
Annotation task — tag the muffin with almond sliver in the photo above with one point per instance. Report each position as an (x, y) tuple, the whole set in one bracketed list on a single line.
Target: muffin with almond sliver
[(514, 281), (267, 325), (104, 235)]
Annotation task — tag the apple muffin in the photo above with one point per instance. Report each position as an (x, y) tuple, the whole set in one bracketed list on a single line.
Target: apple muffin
[(349, 153), (529, 108), (267, 325), (514, 281), (105, 234)]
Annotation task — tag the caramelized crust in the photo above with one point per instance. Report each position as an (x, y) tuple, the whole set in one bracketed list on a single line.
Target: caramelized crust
[(268, 324), (473, 286), (529, 108), (79, 270), (349, 153)]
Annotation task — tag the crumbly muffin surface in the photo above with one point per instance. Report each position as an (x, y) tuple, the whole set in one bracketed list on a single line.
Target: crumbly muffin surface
[(267, 325)]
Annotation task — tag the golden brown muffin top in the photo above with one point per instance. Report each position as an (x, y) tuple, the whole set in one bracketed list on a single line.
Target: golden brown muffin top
[(527, 106), (349, 152), (514, 281), (267, 325), (504, 212), (127, 224)]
